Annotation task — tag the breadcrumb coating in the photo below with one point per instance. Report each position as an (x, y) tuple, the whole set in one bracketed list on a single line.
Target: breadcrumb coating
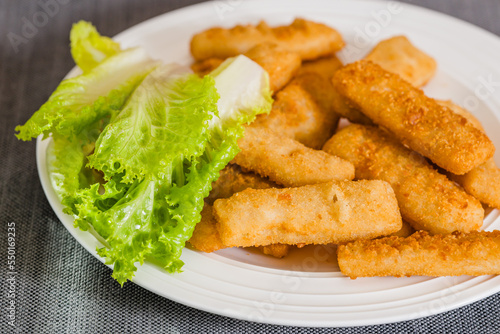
[(483, 181), (427, 199), (232, 179), (399, 56), (288, 162), (474, 253), (205, 235), (332, 212), (310, 40), (302, 111), (418, 121)]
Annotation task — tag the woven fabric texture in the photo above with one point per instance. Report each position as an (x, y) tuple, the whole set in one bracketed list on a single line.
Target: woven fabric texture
[(60, 287)]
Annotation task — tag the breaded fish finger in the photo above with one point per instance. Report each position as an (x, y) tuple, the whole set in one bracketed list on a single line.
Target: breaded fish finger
[(434, 131), (288, 162), (323, 213), (462, 112), (204, 67), (299, 114), (205, 235), (324, 67), (320, 87), (482, 182), (427, 199), (233, 180), (310, 40), (281, 65), (206, 238), (397, 55), (475, 253)]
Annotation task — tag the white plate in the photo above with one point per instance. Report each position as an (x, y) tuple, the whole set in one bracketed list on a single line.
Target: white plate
[(306, 288)]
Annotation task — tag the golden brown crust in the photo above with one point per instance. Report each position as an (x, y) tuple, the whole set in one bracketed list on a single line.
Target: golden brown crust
[(319, 88), (278, 250), (280, 64), (434, 131), (288, 162), (405, 231), (427, 199), (233, 180), (204, 67), (483, 182), (474, 253), (310, 40), (324, 213), (300, 114), (397, 55), (462, 112), (324, 67), (205, 235), (206, 238)]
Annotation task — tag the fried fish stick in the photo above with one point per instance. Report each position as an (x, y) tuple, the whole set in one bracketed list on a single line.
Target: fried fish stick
[(427, 199), (320, 87), (323, 213), (310, 40), (288, 162), (397, 55), (299, 115), (344, 108), (462, 112), (324, 67), (205, 235), (206, 238), (233, 180), (280, 64), (418, 121), (204, 67), (482, 182), (475, 253)]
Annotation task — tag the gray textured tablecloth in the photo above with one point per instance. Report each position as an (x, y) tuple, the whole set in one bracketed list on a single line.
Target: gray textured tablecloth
[(60, 287)]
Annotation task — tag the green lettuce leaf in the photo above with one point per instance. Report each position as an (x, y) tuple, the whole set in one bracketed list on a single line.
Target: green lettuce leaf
[(80, 101), (88, 47), (167, 189), (136, 146), (164, 123)]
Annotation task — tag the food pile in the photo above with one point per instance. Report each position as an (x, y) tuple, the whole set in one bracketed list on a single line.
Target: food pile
[(403, 163), (149, 156)]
